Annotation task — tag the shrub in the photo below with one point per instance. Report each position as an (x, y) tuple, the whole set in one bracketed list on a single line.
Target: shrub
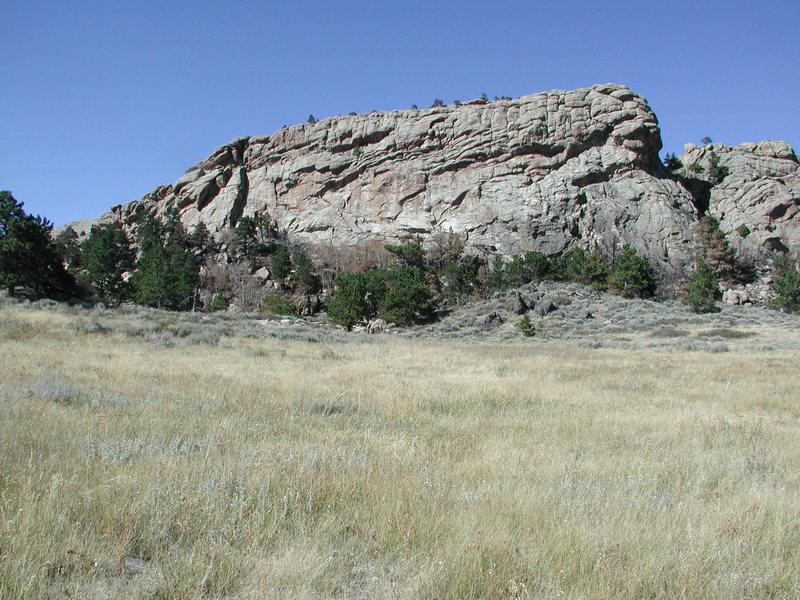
[(703, 290), (591, 269), (672, 162), (220, 302), (632, 276), (278, 304), (716, 172), (786, 285), (527, 328), (743, 230)]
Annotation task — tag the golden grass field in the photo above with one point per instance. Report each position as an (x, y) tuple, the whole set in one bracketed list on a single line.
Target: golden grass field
[(382, 467)]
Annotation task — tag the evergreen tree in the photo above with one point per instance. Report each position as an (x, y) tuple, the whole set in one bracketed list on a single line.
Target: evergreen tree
[(29, 258), (199, 241), (703, 290), (408, 299), (166, 274), (280, 263), (356, 297), (539, 265), (712, 246), (304, 277), (496, 279), (106, 256), (589, 269), (412, 254), (68, 247), (245, 236), (786, 285), (632, 276)]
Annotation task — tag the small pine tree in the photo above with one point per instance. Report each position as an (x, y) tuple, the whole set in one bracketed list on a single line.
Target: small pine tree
[(412, 254), (539, 265), (220, 302), (527, 328), (496, 279), (632, 276), (355, 297), (703, 290)]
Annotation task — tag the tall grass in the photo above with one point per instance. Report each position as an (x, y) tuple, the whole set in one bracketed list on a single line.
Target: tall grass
[(256, 467)]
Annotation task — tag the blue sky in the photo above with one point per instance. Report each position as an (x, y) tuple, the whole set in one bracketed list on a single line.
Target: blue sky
[(103, 101)]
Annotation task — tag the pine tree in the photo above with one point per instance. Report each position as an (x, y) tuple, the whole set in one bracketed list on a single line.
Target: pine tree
[(106, 255), (632, 276), (786, 285), (29, 258), (712, 246), (703, 290), (166, 275)]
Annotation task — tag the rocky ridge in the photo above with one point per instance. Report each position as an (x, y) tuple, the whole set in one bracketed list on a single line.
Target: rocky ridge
[(545, 172)]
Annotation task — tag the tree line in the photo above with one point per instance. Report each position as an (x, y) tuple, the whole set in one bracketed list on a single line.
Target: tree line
[(169, 268)]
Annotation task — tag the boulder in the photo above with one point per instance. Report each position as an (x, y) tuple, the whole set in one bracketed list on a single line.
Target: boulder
[(377, 326), (491, 321), (516, 305)]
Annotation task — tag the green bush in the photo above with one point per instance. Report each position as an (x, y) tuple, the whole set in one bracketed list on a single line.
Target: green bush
[(703, 290), (632, 276), (220, 302), (278, 304)]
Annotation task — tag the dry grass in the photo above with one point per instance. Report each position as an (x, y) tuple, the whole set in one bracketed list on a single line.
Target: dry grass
[(255, 467)]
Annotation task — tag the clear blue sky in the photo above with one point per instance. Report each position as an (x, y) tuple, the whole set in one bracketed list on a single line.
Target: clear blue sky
[(102, 101)]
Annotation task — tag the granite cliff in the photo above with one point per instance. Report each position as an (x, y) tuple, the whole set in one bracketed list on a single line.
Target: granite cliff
[(545, 172)]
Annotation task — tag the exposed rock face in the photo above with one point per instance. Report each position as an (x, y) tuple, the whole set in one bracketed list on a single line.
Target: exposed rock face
[(544, 172), (757, 200)]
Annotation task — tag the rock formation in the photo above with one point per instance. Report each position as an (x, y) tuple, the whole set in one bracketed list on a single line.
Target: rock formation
[(754, 193), (544, 172)]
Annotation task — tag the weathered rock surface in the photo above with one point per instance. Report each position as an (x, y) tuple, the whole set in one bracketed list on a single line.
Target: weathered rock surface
[(544, 172), (757, 200)]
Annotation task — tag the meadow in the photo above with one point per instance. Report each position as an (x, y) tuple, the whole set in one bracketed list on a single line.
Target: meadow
[(142, 456)]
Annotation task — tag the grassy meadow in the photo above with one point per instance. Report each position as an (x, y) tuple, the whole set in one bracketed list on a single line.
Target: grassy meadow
[(220, 462)]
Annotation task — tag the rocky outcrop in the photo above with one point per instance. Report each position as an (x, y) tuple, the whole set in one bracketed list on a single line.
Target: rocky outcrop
[(754, 192), (545, 172)]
